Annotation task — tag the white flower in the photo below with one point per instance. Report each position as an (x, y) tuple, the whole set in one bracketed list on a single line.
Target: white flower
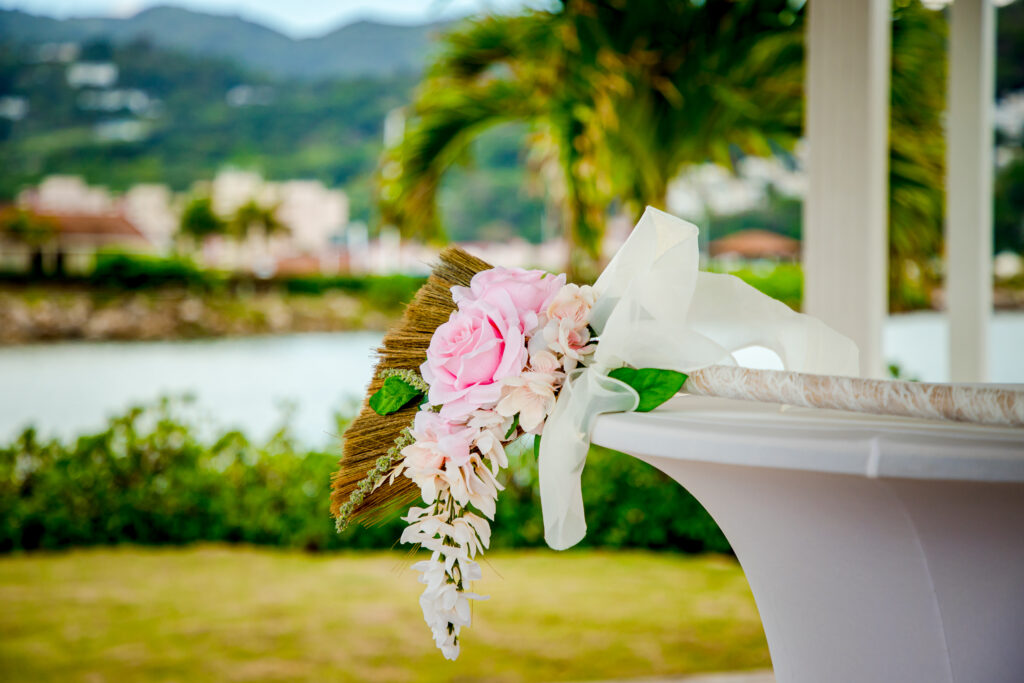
[(445, 608), (474, 483), (471, 532), (532, 396), (492, 428)]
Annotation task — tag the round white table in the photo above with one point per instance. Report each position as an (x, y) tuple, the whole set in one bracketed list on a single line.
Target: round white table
[(877, 549)]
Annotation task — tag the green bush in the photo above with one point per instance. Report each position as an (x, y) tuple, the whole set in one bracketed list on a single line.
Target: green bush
[(386, 292), (135, 271), (148, 478), (784, 282)]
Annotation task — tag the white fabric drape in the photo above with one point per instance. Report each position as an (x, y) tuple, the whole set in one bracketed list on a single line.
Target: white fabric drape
[(654, 309)]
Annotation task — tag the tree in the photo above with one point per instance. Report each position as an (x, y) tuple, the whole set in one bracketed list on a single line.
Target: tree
[(199, 220), (30, 230), (622, 97), (253, 217)]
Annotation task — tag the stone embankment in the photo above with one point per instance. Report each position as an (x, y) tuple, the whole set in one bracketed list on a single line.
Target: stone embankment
[(42, 314)]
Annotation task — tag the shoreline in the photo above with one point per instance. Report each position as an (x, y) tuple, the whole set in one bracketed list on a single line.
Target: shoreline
[(40, 314)]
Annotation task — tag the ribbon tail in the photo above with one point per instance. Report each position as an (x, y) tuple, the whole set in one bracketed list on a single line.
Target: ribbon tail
[(563, 450)]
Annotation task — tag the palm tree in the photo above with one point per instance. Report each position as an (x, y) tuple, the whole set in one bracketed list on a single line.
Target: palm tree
[(623, 96), (199, 221), (254, 218)]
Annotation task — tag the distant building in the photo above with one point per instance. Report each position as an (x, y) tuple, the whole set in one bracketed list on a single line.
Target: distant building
[(312, 212), (13, 107), (76, 237), (752, 245), (314, 215), (135, 101), (149, 207), (92, 74), (57, 52), (67, 194)]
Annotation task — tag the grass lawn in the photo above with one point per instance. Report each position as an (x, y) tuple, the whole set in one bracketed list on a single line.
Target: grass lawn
[(218, 613)]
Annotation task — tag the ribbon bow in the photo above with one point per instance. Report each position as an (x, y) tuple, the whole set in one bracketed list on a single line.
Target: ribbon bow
[(654, 309)]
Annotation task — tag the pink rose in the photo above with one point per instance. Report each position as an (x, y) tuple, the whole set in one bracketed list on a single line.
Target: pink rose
[(482, 343), (530, 291)]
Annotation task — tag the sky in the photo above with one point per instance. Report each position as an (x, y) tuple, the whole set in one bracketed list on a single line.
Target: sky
[(299, 19)]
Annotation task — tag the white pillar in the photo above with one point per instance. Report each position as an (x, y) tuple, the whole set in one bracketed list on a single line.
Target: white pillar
[(969, 142), (846, 210)]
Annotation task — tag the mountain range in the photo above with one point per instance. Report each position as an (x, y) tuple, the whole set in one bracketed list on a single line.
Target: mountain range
[(363, 48)]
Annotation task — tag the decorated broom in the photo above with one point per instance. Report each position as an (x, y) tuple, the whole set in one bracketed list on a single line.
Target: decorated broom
[(484, 355)]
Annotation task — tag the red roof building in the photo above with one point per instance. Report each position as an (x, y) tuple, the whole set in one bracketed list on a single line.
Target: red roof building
[(756, 244)]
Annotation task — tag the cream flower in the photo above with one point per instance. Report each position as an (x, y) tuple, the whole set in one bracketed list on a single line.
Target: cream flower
[(572, 303), (545, 362), (490, 438), (570, 341), (532, 396)]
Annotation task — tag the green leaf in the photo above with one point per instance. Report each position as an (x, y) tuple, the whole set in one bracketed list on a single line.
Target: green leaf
[(536, 446), (654, 386), (393, 395), (513, 428)]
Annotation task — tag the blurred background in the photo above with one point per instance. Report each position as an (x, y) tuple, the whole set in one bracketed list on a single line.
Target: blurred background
[(211, 210)]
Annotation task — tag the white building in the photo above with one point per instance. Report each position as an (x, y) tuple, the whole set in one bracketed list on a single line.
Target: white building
[(67, 194), (92, 74), (150, 208), (314, 215), (312, 212)]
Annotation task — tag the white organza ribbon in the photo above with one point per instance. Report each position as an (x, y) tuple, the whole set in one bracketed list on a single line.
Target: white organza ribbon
[(654, 309)]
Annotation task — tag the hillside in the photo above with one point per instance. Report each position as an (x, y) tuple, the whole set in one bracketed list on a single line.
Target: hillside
[(363, 48), (176, 118)]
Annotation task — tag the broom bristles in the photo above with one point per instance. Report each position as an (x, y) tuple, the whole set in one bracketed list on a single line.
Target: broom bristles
[(405, 347)]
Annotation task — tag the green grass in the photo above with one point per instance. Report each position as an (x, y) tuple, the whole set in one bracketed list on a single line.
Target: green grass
[(217, 613)]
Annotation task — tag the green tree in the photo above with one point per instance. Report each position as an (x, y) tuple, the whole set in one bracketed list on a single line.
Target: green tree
[(253, 217), (621, 98), (199, 220), (1009, 207), (24, 227)]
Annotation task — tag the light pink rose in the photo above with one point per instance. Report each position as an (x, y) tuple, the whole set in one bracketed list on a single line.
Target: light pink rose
[(530, 291), (482, 343)]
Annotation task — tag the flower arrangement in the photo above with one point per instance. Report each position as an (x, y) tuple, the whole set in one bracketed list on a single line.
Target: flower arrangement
[(485, 355), (493, 372)]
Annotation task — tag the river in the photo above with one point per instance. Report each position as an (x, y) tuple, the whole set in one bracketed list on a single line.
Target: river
[(68, 389)]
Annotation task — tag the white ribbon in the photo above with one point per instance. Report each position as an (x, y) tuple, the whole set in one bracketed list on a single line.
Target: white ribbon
[(654, 309)]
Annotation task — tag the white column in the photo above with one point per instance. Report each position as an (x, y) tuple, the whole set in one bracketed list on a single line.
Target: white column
[(846, 210), (969, 144)]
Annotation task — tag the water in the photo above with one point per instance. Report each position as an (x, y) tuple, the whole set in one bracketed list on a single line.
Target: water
[(70, 388)]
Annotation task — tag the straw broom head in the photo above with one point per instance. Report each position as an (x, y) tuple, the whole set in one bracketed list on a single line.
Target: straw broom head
[(405, 348)]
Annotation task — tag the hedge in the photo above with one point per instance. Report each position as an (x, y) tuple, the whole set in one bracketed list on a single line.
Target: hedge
[(147, 478)]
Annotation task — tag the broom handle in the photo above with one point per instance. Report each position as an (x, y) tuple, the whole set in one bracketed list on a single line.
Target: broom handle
[(979, 405)]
